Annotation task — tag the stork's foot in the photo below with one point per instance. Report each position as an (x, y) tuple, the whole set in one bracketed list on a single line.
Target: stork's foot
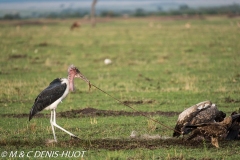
[(50, 141)]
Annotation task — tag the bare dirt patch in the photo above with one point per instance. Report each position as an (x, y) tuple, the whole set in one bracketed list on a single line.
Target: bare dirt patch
[(120, 144), (109, 144), (139, 102), (17, 56), (43, 44), (97, 112), (126, 144), (93, 112)]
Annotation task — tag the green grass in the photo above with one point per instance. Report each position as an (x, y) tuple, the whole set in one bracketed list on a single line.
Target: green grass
[(153, 59)]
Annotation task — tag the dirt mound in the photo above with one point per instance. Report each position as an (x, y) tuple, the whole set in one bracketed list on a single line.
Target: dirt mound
[(93, 112), (97, 112)]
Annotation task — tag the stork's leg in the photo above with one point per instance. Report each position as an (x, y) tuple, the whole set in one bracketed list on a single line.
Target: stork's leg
[(51, 122), (55, 124)]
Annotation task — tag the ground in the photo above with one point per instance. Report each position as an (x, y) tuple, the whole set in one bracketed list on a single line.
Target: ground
[(160, 66)]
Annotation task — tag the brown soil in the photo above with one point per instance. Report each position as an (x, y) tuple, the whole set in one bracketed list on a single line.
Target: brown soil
[(119, 144), (17, 56), (138, 102), (109, 144), (93, 112)]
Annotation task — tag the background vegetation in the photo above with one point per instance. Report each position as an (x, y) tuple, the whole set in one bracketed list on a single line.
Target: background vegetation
[(185, 10), (166, 63)]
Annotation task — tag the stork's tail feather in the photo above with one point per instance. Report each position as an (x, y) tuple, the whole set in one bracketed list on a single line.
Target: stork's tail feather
[(33, 111), (31, 115)]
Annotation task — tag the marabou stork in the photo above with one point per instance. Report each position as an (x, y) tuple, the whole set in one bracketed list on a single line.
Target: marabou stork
[(50, 97)]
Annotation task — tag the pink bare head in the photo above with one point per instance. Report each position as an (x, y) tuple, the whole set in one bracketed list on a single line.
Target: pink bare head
[(73, 72)]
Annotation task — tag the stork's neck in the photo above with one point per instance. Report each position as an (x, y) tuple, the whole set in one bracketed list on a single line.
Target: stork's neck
[(71, 82)]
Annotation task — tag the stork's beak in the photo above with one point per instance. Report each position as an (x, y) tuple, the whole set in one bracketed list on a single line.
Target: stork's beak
[(81, 76)]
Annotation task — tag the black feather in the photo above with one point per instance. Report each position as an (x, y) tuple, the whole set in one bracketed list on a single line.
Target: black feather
[(49, 95)]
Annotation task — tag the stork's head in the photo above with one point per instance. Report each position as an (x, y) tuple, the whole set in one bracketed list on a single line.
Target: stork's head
[(73, 72)]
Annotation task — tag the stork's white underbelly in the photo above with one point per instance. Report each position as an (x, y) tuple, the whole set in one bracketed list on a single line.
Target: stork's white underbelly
[(55, 104)]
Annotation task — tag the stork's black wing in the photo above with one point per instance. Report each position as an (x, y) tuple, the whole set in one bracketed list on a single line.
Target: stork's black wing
[(49, 95)]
